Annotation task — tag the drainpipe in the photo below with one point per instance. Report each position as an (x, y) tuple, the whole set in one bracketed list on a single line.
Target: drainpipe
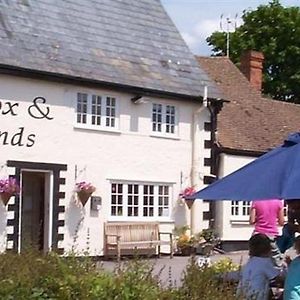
[(196, 149)]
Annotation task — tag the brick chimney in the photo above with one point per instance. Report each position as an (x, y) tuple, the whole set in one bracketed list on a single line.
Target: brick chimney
[(251, 67)]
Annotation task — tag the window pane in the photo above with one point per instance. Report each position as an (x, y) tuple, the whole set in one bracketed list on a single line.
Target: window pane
[(110, 112), (132, 201), (96, 110), (163, 201), (82, 101), (156, 117), (148, 201), (116, 199), (170, 119)]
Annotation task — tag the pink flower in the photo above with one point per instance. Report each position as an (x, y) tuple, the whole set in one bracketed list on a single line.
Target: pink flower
[(9, 186), (187, 192), (84, 186)]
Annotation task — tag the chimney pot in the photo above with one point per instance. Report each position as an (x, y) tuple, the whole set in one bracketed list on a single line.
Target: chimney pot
[(252, 66)]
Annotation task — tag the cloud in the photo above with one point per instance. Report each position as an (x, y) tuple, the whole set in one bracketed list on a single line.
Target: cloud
[(196, 36), (205, 28), (190, 39)]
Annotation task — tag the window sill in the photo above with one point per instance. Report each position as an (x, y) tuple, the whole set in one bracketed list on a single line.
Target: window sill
[(163, 136), (140, 219), (240, 222), (95, 128)]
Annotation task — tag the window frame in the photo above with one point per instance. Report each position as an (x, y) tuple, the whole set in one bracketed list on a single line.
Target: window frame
[(240, 205), (103, 114), (126, 194), (164, 124)]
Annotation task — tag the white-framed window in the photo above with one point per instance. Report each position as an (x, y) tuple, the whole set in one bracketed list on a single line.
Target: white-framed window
[(240, 209), (132, 200), (96, 111), (164, 119)]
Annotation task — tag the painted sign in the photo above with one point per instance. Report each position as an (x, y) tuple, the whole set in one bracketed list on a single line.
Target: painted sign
[(36, 110)]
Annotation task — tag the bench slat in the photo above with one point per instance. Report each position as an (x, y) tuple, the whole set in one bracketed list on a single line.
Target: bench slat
[(131, 235)]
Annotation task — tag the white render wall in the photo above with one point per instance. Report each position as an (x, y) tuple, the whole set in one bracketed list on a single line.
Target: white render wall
[(231, 228), (131, 154)]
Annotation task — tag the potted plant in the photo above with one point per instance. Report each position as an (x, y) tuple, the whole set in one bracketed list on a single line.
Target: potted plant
[(208, 240), (185, 243), (84, 191), (8, 187)]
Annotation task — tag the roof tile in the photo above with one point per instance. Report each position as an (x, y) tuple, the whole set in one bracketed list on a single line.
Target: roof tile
[(249, 122), (130, 42)]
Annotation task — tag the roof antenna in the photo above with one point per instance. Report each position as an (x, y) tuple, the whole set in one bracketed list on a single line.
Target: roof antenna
[(230, 26)]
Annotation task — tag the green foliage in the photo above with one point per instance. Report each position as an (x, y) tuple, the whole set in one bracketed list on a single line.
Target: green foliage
[(275, 31), (33, 276), (180, 230), (209, 235), (224, 265), (203, 283)]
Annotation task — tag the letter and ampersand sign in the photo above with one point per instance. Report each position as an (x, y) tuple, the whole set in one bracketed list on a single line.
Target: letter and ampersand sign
[(37, 111)]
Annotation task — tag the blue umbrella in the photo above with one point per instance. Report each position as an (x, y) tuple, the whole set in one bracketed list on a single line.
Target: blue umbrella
[(275, 174)]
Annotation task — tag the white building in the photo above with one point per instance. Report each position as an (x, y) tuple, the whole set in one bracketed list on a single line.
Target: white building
[(247, 127), (102, 92)]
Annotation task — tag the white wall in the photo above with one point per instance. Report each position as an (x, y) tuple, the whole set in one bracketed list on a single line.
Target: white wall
[(98, 156), (231, 228)]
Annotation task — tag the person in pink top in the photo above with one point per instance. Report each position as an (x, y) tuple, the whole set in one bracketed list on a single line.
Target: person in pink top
[(266, 215)]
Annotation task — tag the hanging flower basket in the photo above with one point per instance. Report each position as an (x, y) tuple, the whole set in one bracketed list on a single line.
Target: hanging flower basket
[(8, 188), (5, 197), (84, 191), (188, 192)]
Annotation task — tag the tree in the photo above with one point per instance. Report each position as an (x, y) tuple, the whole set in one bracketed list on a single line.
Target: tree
[(275, 31)]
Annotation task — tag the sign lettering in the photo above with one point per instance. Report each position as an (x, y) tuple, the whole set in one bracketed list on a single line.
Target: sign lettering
[(38, 111)]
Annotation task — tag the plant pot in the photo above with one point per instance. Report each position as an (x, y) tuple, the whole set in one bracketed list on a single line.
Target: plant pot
[(5, 197), (83, 197), (205, 249), (186, 251), (189, 202)]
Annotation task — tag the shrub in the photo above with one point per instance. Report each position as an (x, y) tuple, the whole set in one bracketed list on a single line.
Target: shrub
[(202, 283), (31, 275)]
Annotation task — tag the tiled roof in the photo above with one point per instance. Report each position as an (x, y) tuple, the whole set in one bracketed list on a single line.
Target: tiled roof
[(249, 122), (128, 42)]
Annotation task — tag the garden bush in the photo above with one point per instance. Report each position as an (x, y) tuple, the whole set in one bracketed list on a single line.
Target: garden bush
[(31, 275)]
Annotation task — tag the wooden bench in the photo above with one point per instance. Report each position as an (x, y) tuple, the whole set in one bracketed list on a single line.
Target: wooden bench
[(134, 236)]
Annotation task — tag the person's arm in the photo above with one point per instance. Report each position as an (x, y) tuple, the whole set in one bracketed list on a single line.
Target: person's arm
[(252, 217), (274, 275), (280, 217)]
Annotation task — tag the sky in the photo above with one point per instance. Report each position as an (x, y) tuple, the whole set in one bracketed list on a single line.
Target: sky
[(197, 19)]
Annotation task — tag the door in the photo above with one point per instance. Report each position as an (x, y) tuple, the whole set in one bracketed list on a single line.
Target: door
[(32, 210)]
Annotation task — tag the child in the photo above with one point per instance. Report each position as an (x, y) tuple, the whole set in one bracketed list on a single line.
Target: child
[(292, 282), (259, 271)]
